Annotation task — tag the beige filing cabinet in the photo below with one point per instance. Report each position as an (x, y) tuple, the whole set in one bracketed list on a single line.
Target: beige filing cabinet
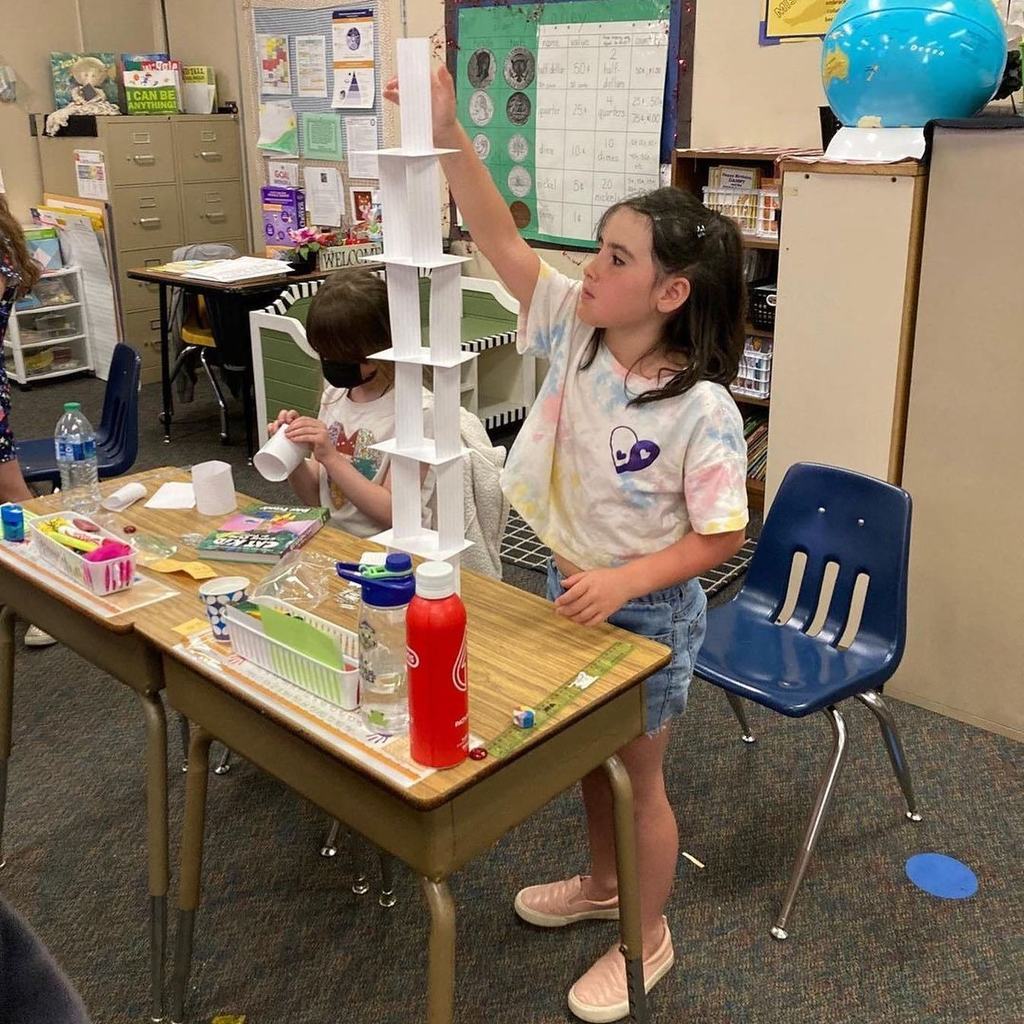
[(172, 180), (844, 327), (963, 463)]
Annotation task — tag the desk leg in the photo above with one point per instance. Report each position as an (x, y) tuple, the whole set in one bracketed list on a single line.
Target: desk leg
[(156, 831), (629, 887), (165, 365), (6, 709), (441, 967), (191, 865)]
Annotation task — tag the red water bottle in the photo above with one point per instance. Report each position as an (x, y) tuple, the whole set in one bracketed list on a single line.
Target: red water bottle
[(438, 700)]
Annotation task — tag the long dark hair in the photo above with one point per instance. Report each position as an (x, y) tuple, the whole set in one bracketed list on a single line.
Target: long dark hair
[(706, 248), (348, 319), (12, 244)]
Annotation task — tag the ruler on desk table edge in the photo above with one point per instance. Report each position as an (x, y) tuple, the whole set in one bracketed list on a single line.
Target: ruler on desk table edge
[(513, 737)]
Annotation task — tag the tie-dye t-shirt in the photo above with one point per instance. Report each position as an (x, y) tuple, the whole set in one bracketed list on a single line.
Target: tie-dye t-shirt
[(354, 427), (602, 482)]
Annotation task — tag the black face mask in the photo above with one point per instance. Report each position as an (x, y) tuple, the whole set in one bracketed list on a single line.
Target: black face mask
[(344, 375)]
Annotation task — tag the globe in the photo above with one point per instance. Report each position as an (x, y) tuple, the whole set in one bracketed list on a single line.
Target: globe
[(902, 63)]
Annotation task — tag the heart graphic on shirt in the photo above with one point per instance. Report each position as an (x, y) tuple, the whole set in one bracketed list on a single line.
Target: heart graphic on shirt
[(629, 453)]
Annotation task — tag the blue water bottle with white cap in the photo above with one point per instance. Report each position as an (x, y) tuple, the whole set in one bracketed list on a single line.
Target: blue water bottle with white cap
[(383, 683)]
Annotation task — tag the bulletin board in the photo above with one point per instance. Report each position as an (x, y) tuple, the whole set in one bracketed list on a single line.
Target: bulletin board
[(293, 18), (571, 104)]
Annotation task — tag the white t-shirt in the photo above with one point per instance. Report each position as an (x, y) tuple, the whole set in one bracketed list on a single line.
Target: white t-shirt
[(354, 427), (602, 482)]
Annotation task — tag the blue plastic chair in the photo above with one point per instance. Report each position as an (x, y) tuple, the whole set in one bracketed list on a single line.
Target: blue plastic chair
[(796, 656), (117, 437)]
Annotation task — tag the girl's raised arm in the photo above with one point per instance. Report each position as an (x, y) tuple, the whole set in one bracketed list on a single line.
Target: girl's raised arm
[(488, 218)]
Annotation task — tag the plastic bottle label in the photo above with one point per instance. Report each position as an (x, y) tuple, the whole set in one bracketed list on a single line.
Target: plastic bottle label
[(75, 451)]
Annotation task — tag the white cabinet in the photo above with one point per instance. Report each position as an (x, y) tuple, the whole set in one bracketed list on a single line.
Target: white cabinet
[(51, 339)]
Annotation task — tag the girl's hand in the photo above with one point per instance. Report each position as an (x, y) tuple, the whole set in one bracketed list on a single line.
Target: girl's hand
[(442, 101), (590, 597), (306, 430), (284, 417)]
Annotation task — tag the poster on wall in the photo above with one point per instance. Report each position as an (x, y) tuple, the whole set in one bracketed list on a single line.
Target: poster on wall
[(311, 66), (799, 19), (275, 70), (352, 42), (564, 105)]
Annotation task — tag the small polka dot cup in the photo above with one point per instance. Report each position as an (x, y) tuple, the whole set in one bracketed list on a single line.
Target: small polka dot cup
[(216, 595)]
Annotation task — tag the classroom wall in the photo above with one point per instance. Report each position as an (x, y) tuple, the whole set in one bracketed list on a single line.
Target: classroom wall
[(28, 35), (203, 32), (745, 94)]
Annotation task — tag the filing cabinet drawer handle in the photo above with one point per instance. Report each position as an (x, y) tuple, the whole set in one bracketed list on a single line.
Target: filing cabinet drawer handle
[(143, 221), (217, 215), (143, 158), (210, 154)]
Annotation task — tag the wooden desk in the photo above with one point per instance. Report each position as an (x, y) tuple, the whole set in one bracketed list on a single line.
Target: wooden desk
[(519, 651), (224, 300), (112, 644)]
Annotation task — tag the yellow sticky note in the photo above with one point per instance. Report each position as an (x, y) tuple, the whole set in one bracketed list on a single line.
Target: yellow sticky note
[(192, 627), (197, 570)]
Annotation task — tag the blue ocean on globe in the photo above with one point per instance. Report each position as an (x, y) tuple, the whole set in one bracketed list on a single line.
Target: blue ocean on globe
[(902, 63)]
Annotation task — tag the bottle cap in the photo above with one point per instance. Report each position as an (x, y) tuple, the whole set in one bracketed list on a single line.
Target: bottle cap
[(435, 580), (72, 406)]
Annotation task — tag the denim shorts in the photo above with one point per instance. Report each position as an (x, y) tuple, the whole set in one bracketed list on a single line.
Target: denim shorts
[(675, 617)]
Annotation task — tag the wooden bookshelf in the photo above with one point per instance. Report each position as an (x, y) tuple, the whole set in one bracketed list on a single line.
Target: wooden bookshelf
[(690, 172)]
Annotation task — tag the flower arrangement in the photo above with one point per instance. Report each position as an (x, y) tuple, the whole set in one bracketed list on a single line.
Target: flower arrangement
[(308, 242)]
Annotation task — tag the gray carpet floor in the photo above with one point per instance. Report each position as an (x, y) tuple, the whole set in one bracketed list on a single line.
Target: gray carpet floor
[(281, 937)]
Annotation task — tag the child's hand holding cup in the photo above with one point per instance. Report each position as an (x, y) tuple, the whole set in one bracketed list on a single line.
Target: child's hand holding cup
[(280, 457)]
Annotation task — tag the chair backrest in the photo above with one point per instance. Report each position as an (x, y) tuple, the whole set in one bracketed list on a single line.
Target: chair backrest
[(834, 515), (118, 434)]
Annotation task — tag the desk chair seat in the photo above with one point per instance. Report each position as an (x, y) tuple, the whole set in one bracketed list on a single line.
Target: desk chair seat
[(798, 640), (117, 436)]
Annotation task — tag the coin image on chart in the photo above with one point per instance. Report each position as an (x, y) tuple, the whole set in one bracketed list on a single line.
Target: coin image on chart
[(520, 66), (481, 68), (482, 145), (518, 148), (519, 181), (481, 108), (520, 214), (517, 109)]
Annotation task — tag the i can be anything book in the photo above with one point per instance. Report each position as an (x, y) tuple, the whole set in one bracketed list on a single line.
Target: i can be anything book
[(262, 533)]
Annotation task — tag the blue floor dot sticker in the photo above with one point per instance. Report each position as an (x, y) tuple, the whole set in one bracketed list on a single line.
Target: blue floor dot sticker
[(942, 876)]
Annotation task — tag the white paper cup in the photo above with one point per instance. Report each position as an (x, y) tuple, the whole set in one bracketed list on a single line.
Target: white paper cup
[(216, 595), (279, 456), (214, 488)]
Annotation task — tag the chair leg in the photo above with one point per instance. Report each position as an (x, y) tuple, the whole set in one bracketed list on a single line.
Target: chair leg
[(360, 883), (225, 763), (387, 879), (839, 740), (330, 847), (741, 716), (873, 700), (224, 436)]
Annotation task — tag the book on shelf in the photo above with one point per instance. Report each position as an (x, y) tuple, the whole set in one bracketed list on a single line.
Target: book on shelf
[(735, 179), (199, 90), (262, 533), (152, 83), (755, 430)]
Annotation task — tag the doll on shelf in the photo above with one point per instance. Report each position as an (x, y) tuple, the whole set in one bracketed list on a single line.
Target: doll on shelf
[(88, 76)]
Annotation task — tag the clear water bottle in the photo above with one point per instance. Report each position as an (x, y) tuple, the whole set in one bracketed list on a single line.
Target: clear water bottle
[(74, 441), (383, 681)]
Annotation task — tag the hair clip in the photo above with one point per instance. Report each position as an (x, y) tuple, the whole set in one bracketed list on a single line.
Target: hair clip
[(701, 230)]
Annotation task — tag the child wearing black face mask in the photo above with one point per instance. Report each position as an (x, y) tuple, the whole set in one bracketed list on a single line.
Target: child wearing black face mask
[(347, 323)]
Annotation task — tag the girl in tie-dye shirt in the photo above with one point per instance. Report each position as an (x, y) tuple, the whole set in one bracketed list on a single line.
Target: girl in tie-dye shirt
[(631, 465)]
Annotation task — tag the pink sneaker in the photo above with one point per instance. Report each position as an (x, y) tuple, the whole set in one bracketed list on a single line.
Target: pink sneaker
[(600, 995), (561, 903)]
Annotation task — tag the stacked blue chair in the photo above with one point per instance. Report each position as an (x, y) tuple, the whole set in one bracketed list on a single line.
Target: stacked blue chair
[(804, 652), (117, 436)]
